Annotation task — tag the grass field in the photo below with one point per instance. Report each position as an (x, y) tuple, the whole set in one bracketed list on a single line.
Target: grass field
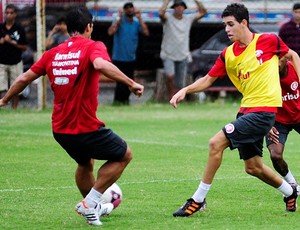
[(37, 188)]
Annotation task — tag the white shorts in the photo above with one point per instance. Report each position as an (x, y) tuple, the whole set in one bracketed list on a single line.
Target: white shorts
[(8, 74)]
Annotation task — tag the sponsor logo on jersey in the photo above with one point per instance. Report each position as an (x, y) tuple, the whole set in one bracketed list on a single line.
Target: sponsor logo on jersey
[(61, 80), (69, 60), (290, 96)]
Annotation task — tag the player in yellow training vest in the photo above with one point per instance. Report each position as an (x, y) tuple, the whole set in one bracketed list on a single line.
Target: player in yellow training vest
[(251, 63)]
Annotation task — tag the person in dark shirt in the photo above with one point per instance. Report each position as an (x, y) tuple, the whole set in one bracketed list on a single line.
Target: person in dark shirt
[(289, 32), (12, 43)]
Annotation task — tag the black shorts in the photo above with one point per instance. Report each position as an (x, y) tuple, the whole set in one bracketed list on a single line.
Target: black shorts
[(102, 144), (247, 133), (284, 131)]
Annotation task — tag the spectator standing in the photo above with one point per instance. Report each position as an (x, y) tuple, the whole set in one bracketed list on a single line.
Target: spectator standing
[(73, 69), (126, 29), (250, 57), (58, 34), (287, 119), (12, 43), (289, 32), (175, 51)]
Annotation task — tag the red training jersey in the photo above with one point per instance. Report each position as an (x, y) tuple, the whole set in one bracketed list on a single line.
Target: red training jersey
[(289, 113), (75, 84)]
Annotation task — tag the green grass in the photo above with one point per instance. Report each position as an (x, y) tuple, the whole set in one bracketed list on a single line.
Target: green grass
[(37, 188)]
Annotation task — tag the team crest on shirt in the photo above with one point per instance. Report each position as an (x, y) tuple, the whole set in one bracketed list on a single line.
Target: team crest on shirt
[(294, 85), (258, 53), (229, 128)]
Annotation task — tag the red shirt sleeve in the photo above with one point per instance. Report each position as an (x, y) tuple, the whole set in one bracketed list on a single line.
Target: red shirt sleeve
[(99, 50), (39, 67), (271, 44), (219, 69)]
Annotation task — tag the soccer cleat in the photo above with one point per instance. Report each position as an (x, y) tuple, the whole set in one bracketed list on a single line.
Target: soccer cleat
[(297, 187), (91, 215), (105, 209), (189, 208), (291, 201)]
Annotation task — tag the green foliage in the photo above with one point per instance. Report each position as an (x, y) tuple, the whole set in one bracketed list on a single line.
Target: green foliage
[(37, 188)]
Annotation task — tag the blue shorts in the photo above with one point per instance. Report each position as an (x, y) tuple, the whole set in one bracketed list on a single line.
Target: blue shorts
[(284, 131), (247, 133), (102, 144)]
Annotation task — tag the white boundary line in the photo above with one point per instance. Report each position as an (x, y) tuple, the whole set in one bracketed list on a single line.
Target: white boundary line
[(122, 183), (127, 140)]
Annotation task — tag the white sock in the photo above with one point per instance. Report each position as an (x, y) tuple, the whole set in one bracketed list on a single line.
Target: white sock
[(290, 178), (285, 188), (92, 198), (201, 192)]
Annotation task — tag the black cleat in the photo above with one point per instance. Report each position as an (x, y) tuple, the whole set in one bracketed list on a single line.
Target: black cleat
[(291, 201), (189, 208)]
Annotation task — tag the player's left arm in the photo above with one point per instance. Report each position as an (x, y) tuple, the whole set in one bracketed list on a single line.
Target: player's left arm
[(111, 71), (295, 60)]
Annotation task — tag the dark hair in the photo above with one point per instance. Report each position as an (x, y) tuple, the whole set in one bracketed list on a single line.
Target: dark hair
[(77, 19), (12, 7), (61, 20), (128, 5), (296, 6), (238, 11)]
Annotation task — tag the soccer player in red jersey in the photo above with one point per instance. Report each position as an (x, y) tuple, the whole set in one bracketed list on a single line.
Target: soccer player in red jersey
[(73, 69), (287, 119), (251, 63)]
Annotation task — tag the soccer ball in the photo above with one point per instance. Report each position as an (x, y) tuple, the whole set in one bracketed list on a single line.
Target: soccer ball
[(112, 195)]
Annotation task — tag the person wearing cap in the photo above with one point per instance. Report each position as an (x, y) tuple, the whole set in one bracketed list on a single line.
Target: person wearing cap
[(289, 32), (126, 29), (175, 52)]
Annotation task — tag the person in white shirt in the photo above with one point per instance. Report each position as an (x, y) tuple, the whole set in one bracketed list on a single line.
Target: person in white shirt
[(175, 42)]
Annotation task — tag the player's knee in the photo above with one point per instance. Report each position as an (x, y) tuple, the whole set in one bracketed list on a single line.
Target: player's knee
[(253, 171), (276, 156), (212, 144), (128, 155), (215, 149)]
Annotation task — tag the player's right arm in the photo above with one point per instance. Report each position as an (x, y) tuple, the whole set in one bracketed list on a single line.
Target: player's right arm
[(218, 70), (198, 86), (18, 86)]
